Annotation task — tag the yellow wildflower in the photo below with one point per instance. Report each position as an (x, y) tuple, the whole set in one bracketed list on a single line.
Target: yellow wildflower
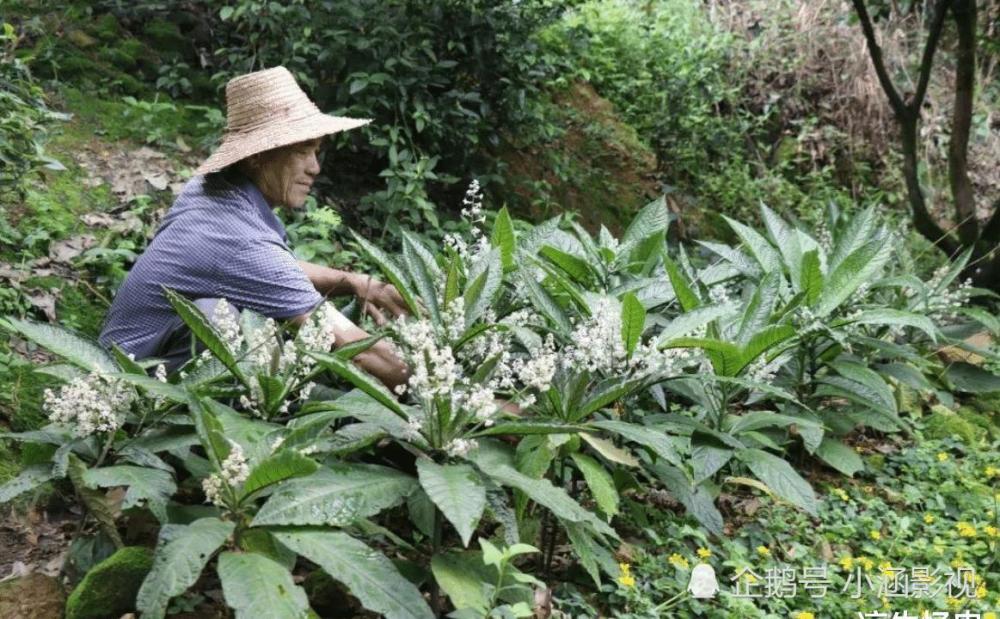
[(626, 579), (942, 456), (929, 518), (764, 551), (841, 494), (704, 553), (875, 535), (958, 562), (805, 615), (965, 529), (678, 561), (866, 563), (886, 568), (990, 615), (846, 562), (992, 531), (953, 602), (981, 591), (990, 472)]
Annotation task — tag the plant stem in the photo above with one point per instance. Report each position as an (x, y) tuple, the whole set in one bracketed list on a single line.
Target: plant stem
[(435, 546)]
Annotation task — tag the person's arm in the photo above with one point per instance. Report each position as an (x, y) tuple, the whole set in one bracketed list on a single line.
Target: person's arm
[(375, 296), (381, 360)]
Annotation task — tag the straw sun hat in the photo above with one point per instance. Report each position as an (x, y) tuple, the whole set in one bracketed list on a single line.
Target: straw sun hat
[(267, 109)]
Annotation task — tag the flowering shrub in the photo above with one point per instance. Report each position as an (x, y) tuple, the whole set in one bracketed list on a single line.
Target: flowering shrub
[(549, 368)]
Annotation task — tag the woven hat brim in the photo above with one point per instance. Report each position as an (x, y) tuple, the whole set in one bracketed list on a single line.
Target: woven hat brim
[(237, 146)]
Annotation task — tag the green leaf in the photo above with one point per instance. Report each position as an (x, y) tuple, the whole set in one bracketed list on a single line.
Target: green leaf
[(543, 302), (362, 380), (421, 274), (210, 432), (726, 357), (369, 575), (656, 440), (577, 268), (285, 464), (480, 293), (391, 271), (765, 340), (696, 499), (652, 220), (181, 554), (766, 255), (95, 501), (972, 379), (72, 347), (785, 239), (861, 229), (31, 477), (781, 478), (255, 586), (335, 495), (857, 268), (529, 427), (451, 285), (758, 310), (461, 576), (152, 485), (607, 391), (553, 498), (205, 331), (685, 295), (633, 321), (708, 456), (811, 277), (889, 316), (840, 456), (504, 238), (601, 485), (609, 451), (125, 362), (154, 387), (690, 321), (457, 491)]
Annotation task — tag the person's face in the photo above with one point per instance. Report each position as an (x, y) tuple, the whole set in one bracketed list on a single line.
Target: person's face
[(285, 175)]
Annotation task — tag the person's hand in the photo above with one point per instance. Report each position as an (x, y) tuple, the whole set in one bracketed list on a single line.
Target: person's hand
[(377, 298)]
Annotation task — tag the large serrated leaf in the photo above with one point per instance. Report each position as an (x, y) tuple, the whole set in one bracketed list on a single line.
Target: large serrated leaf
[(544, 302), (633, 321), (781, 478), (504, 238), (155, 486), (362, 380), (391, 271), (335, 496), (655, 439), (181, 555), (765, 254), (785, 239), (483, 289), (685, 294), (72, 347), (370, 576), (31, 477), (601, 485), (758, 311), (577, 268), (840, 456), (457, 491), (696, 499), (205, 331), (421, 274), (889, 316), (283, 465), (255, 586), (857, 268)]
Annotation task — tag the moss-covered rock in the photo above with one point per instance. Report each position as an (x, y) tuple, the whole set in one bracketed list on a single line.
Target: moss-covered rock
[(944, 422), (109, 589), (35, 596)]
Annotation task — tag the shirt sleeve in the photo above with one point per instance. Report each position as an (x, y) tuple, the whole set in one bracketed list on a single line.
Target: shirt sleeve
[(263, 276)]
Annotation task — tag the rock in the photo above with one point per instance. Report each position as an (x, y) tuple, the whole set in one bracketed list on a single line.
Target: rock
[(35, 596), (109, 589)]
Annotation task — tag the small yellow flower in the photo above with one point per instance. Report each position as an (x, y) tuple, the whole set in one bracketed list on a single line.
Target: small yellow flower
[(942, 456), (939, 549), (990, 472), (929, 518), (965, 529), (805, 615), (958, 562), (953, 602), (626, 579), (846, 562), (866, 563), (764, 551), (750, 578), (886, 568), (989, 615), (704, 553), (885, 601), (678, 561), (875, 535), (992, 531), (981, 591), (841, 494)]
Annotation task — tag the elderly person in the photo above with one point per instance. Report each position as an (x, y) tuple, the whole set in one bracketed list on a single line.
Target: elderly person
[(220, 240)]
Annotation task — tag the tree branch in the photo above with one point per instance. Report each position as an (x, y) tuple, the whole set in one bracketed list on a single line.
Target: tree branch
[(895, 101), (964, 13), (927, 60)]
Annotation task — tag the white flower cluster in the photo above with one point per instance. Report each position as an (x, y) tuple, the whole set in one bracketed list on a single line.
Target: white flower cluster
[(761, 371), (91, 403), (806, 322), (538, 371), (234, 472), (459, 447), (472, 211), (224, 317), (720, 294), (945, 304), (597, 343), (648, 359), (433, 369)]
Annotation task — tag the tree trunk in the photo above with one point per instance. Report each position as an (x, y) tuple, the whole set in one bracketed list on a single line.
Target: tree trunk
[(964, 13), (922, 219)]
